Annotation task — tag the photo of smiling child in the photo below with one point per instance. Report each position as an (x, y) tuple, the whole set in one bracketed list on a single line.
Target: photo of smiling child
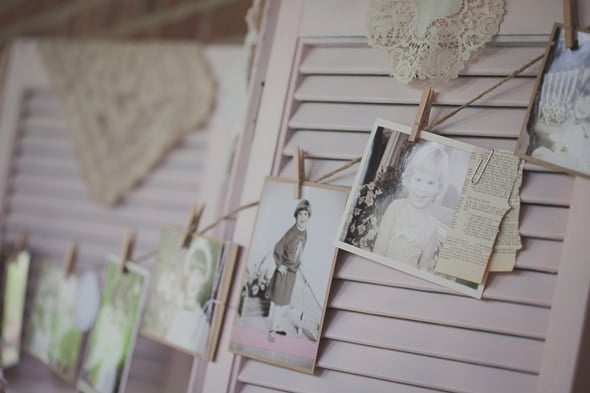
[(408, 231), (404, 198), (557, 129)]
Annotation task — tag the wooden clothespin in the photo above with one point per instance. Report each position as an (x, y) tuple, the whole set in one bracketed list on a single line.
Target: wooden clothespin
[(70, 258), (127, 250), (423, 114), (191, 225), (570, 23), (299, 158)]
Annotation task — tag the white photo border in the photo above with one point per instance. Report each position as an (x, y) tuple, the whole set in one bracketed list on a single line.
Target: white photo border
[(249, 351)]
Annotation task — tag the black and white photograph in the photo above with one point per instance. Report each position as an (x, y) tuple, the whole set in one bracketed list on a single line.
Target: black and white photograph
[(556, 132), (288, 274), (403, 201)]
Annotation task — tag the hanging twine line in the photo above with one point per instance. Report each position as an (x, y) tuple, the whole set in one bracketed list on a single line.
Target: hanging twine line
[(356, 160), (511, 76)]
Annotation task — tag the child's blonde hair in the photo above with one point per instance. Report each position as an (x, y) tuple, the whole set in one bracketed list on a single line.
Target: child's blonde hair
[(431, 157)]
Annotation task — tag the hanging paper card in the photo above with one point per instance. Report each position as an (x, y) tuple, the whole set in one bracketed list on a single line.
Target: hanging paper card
[(187, 299), (53, 336), (405, 197), (105, 366), (556, 131), (288, 274), (13, 307)]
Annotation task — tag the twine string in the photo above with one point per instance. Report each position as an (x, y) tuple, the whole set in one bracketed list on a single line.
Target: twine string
[(356, 160), (437, 122)]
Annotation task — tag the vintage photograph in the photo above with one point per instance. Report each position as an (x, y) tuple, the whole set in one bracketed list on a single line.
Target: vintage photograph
[(403, 200), (288, 274), (13, 307), (190, 286), (556, 132), (105, 365), (52, 335)]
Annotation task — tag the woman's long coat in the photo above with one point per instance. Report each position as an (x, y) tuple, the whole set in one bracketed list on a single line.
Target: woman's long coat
[(287, 253)]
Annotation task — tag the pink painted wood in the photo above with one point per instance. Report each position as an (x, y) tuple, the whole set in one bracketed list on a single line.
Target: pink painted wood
[(338, 88)]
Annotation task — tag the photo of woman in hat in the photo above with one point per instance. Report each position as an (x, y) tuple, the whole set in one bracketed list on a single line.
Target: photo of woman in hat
[(287, 257), (288, 272)]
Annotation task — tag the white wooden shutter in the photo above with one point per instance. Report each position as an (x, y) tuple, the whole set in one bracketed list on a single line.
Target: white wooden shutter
[(44, 193), (386, 331)]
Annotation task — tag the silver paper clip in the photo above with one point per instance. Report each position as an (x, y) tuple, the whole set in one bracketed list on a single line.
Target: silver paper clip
[(475, 178)]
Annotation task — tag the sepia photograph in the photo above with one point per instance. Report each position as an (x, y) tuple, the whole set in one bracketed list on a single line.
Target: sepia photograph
[(105, 365), (53, 336), (556, 132), (190, 287), (288, 274), (13, 307), (403, 201)]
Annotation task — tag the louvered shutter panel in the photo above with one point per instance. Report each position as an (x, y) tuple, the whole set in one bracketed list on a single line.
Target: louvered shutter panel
[(44, 193), (386, 331)]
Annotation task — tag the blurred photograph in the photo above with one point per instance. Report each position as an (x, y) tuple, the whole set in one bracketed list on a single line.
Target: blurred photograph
[(403, 201), (190, 287), (556, 132), (105, 365), (288, 274), (53, 336), (13, 307)]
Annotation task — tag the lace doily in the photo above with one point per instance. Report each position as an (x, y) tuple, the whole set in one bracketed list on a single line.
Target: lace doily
[(127, 104), (431, 39)]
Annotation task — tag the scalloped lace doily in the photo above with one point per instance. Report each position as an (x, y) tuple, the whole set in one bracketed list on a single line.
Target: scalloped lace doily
[(431, 39), (127, 104)]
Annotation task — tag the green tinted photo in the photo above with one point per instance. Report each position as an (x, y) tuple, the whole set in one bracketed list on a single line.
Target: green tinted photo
[(181, 303), (110, 345), (17, 270), (53, 336)]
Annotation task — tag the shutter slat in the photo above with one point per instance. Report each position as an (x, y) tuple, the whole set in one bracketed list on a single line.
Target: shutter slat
[(73, 189), (85, 210), (546, 188), (422, 371), (72, 227), (258, 389), (261, 374), (44, 125), (384, 89), (469, 346), (492, 122), (523, 287), (539, 254), (168, 174), (362, 60), (438, 308), (543, 222)]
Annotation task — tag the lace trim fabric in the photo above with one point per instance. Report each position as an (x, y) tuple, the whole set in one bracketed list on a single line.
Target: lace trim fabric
[(431, 39), (126, 105)]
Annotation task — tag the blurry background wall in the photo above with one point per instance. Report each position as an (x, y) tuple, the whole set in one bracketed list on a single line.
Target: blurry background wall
[(208, 21)]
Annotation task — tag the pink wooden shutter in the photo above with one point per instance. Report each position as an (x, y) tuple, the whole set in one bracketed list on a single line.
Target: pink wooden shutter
[(43, 191), (386, 331)]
